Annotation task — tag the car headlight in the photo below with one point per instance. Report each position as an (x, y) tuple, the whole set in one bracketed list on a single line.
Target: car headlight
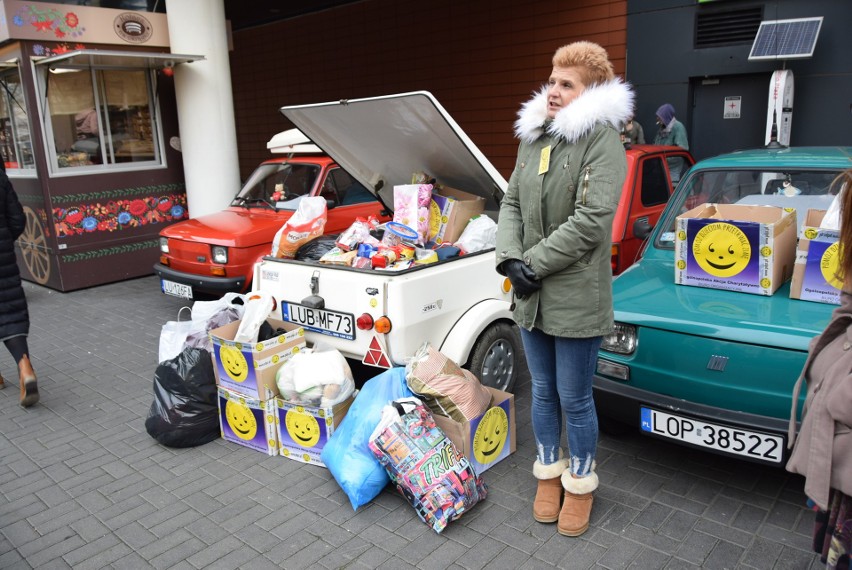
[(220, 254), (622, 340), (164, 245)]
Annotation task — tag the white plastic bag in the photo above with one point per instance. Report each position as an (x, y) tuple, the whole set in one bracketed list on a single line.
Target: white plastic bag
[(258, 306), (173, 335), (479, 233), (831, 220), (316, 377), (304, 225), (203, 310)]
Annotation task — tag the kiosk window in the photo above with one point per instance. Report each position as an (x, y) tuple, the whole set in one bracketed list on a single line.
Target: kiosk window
[(16, 147), (102, 117)]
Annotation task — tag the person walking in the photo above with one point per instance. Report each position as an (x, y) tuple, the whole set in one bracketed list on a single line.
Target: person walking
[(822, 448), (14, 314), (553, 243), (671, 132)]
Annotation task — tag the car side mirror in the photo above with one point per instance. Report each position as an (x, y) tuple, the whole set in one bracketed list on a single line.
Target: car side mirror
[(330, 204), (641, 228)]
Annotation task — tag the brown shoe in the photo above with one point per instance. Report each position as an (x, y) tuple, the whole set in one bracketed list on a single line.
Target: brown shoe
[(27, 378), (577, 504), (548, 497), (2, 383)]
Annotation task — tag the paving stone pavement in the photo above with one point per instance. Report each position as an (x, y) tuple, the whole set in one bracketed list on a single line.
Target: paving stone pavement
[(82, 485)]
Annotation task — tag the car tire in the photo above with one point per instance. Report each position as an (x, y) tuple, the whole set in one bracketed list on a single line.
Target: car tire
[(497, 356)]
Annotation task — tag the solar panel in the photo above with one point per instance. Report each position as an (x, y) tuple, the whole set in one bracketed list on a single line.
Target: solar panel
[(786, 39)]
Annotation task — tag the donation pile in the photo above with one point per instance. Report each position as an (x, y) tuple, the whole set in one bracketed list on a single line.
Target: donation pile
[(396, 431)]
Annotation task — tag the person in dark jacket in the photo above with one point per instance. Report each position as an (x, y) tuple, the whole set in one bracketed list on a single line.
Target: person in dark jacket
[(554, 238), (14, 315)]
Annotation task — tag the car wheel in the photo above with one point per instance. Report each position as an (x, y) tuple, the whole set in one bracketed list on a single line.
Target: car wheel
[(496, 357)]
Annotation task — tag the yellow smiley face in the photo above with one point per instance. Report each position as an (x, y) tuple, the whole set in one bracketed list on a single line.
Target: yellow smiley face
[(241, 420), (829, 265), (490, 435), (721, 249), (234, 363), (303, 428)]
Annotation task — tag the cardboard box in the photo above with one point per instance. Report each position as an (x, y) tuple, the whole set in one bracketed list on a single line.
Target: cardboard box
[(735, 247), (816, 262), (250, 369), (304, 430), (488, 438), (248, 421), (450, 211)]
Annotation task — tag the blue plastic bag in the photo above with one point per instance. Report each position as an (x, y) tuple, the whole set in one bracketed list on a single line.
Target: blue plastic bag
[(347, 454)]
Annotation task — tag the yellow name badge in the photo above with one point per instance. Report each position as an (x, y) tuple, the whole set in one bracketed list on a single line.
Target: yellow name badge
[(544, 160)]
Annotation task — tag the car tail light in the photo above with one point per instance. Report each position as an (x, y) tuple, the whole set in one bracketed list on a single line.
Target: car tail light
[(164, 260), (383, 325), (364, 322), (507, 285), (614, 257), (217, 270)]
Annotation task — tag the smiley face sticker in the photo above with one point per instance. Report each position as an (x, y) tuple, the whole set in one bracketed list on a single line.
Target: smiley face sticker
[(721, 249), (491, 435), (303, 428), (241, 420), (234, 363), (828, 265)]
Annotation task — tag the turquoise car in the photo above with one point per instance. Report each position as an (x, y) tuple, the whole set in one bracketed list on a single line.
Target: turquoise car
[(711, 368)]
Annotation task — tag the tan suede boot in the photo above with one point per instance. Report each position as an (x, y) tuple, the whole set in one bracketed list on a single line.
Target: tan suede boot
[(548, 497), (27, 378), (577, 505)]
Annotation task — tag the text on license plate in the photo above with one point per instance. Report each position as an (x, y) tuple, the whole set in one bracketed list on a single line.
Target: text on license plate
[(332, 323), (176, 289), (755, 445)]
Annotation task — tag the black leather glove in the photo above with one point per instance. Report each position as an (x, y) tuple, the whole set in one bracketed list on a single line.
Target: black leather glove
[(522, 277)]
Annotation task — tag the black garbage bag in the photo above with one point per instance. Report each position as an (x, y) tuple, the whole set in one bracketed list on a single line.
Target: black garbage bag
[(316, 248), (184, 412)]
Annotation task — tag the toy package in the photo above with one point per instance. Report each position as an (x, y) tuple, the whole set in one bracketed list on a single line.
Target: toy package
[(433, 476)]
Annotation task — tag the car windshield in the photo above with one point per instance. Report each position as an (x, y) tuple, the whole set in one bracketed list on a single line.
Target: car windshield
[(278, 185), (799, 189)]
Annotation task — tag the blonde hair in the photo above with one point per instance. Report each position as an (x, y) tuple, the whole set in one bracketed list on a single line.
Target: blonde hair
[(591, 60)]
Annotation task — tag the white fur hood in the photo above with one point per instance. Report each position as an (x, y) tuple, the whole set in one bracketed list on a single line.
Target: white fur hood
[(610, 102)]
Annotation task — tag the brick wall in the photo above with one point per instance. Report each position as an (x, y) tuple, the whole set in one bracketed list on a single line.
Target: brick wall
[(480, 58)]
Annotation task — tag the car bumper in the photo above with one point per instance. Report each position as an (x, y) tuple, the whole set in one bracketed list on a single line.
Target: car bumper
[(623, 403), (205, 284)]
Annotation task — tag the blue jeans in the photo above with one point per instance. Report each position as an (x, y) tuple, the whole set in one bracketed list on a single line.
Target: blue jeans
[(562, 370)]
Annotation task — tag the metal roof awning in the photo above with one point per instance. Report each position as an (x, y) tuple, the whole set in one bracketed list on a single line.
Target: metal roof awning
[(84, 58)]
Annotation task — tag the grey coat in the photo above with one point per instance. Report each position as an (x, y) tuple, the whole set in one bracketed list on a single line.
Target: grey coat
[(558, 217), (14, 317), (822, 451)]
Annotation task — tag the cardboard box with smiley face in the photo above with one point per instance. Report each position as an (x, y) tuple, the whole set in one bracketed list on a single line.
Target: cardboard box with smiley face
[(736, 247), (248, 421), (449, 212), (250, 369), (489, 437), (817, 257), (304, 430)]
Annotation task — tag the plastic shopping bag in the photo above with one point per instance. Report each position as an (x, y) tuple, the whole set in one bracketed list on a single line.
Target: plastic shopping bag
[(479, 233), (347, 454), (184, 412), (173, 335), (306, 224), (424, 464)]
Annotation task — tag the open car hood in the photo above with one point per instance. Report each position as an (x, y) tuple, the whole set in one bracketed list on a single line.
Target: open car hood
[(382, 141)]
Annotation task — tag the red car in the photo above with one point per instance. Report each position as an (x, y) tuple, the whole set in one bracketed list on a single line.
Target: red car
[(652, 174), (214, 254)]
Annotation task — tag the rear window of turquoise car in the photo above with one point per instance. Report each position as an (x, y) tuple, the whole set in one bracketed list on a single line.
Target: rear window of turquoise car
[(799, 189)]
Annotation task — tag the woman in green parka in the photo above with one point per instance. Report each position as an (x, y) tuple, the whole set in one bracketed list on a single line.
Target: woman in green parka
[(553, 243)]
